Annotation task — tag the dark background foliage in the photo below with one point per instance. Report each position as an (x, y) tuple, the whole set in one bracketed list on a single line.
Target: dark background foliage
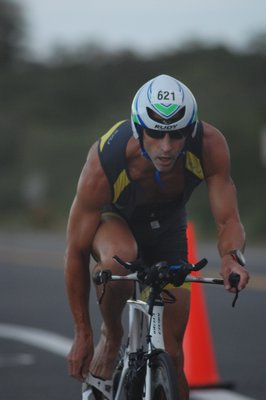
[(51, 112)]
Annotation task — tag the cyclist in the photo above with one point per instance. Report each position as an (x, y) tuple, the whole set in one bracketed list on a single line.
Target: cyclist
[(131, 202)]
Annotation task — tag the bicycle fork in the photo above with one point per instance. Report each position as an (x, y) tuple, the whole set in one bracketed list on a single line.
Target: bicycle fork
[(146, 334)]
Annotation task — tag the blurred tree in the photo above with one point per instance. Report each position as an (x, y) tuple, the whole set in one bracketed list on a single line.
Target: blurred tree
[(50, 114), (257, 44), (11, 32)]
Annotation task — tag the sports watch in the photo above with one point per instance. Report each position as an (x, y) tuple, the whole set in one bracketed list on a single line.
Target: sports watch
[(238, 256)]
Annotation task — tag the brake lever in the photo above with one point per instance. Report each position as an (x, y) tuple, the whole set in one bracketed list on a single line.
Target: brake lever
[(125, 264), (102, 277), (234, 279), (200, 264), (133, 266)]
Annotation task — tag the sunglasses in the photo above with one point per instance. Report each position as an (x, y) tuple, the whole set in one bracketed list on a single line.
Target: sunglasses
[(176, 134)]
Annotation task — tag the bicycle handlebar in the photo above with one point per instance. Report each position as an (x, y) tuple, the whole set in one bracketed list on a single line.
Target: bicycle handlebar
[(161, 274), (158, 274)]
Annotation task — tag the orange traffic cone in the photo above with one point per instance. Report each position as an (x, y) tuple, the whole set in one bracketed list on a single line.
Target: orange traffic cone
[(200, 363)]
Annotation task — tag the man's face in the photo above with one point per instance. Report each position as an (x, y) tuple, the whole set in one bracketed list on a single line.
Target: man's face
[(163, 152)]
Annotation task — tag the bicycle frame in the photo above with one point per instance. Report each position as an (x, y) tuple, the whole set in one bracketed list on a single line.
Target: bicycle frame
[(146, 331), (145, 334)]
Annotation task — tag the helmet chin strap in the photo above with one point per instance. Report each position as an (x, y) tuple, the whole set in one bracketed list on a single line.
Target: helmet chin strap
[(157, 173)]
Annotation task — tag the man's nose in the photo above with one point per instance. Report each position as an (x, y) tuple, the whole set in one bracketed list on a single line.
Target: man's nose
[(166, 142)]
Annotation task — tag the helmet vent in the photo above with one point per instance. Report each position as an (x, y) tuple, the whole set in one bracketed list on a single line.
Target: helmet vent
[(167, 121)]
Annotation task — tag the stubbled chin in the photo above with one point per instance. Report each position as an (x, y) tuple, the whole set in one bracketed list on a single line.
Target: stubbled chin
[(164, 166)]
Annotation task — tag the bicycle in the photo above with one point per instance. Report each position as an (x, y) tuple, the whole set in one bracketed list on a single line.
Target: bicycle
[(145, 370)]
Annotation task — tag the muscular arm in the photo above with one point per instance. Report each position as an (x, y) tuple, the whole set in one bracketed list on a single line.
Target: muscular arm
[(92, 193), (223, 202)]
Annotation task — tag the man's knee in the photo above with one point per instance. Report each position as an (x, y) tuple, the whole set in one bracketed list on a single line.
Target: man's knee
[(116, 293), (114, 237)]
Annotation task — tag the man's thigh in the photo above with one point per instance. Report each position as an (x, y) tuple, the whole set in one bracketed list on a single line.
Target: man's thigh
[(113, 237)]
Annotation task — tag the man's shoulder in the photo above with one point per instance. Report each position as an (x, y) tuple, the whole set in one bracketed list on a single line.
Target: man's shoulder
[(118, 129), (212, 136), (93, 182), (115, 140), (211, 130), (215, 150)]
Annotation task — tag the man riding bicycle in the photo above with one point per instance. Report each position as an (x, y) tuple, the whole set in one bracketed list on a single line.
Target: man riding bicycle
[(131, 202)]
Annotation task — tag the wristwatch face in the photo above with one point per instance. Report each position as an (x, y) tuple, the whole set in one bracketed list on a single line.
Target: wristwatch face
[(238, 255)]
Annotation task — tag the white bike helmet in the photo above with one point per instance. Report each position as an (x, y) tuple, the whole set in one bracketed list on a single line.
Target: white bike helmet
[(163, 104)]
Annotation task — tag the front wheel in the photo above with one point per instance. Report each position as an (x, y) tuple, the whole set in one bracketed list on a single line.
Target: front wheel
[(129, 381), (164, 378)]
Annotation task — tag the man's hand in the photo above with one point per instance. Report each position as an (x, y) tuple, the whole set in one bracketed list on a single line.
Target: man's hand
[(228, 266), (80, 355)]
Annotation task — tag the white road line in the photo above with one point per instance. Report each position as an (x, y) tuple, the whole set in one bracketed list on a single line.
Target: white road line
[(60, 345), (42, 339), (217, 394)]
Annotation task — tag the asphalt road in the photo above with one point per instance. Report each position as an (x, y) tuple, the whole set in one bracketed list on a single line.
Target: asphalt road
[(36, 325)]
